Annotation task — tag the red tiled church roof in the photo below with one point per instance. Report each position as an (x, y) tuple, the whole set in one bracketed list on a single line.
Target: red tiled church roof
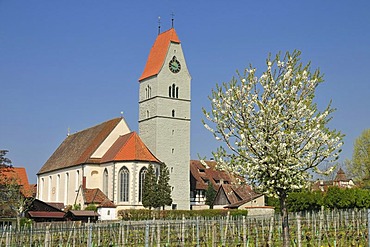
[(129, 147), (18, 175), (77, 148), (158, 53)]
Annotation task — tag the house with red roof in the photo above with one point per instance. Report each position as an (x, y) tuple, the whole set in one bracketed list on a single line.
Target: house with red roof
[(231, 193)]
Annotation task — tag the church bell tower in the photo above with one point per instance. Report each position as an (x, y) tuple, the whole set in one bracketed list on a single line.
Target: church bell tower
[(164, 112)]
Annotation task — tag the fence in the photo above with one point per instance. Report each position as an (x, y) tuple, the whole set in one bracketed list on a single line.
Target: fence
[(324, 228)]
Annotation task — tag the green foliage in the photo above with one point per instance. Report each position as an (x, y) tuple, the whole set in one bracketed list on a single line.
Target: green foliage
[(164, 189), (145, 214), (150, 190), (359, 166), (333, 198), (210, 195), (91, 207)]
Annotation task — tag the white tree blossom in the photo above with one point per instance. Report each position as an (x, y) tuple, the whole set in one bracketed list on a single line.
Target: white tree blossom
[(272, 126)]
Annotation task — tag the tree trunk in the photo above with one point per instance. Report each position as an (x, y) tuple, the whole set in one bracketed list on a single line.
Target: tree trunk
[(284, 217)]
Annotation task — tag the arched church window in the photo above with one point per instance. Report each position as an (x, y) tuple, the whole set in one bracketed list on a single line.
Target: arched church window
[(142, 174), (177, 92), (173, 113), (124, 176), (105, 182), (146, 93), (169, 91)]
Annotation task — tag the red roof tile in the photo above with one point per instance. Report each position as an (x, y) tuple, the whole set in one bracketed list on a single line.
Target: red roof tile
[(77, 148), (129, 147), (158, 53), (18, 175), (209, 172), (96, 196)]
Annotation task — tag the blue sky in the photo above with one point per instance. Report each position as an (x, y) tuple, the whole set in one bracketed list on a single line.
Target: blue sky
[(75, 64)]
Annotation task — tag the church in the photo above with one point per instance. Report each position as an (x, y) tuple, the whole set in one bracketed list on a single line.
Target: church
[(112, 159)]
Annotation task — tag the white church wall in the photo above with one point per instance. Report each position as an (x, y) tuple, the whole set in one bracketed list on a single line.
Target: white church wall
[(60, 186)]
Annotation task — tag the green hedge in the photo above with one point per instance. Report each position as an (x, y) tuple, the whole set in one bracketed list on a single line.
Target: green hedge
[(333, 198), (146, 214)]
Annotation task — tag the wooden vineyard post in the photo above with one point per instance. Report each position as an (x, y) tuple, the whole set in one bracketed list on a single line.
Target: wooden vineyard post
[(147, 234), (214, 241), (368, 227), (158, 235), (299, 230), (183, 231), (244, 233), (198, 231)]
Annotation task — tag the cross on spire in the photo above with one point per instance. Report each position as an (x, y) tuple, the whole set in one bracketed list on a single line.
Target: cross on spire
[(159, 25), (172, 19)]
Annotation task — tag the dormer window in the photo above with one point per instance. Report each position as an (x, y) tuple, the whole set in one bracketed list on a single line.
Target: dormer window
[(201, 170)]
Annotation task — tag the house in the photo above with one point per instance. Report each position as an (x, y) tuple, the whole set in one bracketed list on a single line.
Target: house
[(230, 193), (105, 207), (15, 194), (111, 158), (340, 180), (40, 211)]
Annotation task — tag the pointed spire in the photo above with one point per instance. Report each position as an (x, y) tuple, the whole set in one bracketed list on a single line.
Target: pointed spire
[(172, 19)]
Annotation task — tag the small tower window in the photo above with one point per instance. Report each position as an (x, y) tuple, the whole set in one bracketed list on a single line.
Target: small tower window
[(177, 92), (173, 113), (147, 113), (173, 90)]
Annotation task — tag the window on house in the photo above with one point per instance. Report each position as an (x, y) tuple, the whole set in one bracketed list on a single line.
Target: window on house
[(105, 182), (201, 170), (124, 176)]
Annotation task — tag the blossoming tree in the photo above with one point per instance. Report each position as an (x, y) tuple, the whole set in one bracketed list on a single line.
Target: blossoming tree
[(273, 128)]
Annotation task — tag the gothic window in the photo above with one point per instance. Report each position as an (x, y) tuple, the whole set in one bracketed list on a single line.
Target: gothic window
[(177, 92), (105, 182), (124, 176), (173, 113), (142, 174), (169, 91)]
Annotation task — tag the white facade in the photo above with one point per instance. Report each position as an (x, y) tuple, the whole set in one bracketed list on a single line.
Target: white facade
[(164, 122)]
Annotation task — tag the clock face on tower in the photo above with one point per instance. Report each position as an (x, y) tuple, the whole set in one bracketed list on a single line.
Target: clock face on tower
[(174, 65)]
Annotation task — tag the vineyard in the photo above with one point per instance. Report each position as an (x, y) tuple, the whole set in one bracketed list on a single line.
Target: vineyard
[(324, 228)]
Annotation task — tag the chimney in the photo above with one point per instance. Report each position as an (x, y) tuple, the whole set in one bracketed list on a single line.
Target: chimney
[(83, 182)]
